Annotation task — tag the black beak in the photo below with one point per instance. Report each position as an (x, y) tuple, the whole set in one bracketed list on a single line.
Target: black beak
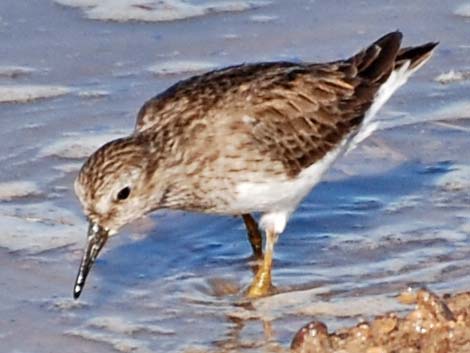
[(96, 238)]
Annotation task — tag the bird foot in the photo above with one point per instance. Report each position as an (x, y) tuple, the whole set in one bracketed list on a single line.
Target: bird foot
[(261, 285)]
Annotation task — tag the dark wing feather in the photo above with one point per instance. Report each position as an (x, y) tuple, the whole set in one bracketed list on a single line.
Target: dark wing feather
[(299, 122), (416, 55), (310, 114)]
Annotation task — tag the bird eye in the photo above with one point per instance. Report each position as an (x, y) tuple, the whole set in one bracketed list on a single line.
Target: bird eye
[(124, 193)]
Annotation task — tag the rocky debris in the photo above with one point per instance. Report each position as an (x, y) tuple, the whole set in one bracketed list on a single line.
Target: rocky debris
[(436, 325)]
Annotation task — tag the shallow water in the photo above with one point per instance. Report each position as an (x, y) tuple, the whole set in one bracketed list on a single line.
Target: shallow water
[(392, 212)]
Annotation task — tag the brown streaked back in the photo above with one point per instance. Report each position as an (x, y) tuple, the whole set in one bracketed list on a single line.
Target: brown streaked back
[(292, 113)]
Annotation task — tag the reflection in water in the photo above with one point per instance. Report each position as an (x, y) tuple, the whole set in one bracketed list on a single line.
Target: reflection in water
[(234, 339)]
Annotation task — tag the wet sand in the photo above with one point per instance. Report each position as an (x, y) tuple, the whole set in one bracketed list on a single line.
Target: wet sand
[(391, 212)]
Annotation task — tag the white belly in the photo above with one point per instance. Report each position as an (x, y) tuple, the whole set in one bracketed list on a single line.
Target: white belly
[(285, 195)]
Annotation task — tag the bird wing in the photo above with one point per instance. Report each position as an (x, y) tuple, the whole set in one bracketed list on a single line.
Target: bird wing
[(305, 114), (292, 113)]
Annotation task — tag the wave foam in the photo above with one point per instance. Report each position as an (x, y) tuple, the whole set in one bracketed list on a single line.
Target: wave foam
[(181, 67), (27, 93), (463, 10), (17, 189), (76, 146), (39, 227), (156, 11), (452, 76), (15, 71)]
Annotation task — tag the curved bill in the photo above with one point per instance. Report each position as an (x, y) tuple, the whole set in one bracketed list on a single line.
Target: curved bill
[(96, 238)]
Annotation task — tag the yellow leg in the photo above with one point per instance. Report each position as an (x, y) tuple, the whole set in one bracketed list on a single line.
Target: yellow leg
[(261, 285), (254, 235)]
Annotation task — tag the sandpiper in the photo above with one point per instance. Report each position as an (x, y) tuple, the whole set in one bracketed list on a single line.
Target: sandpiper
[(253, 138)]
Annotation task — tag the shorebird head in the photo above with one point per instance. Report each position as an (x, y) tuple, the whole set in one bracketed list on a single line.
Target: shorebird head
[(113, 188)]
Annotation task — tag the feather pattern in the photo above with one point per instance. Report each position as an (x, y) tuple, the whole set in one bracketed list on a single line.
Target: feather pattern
[(253, 137)]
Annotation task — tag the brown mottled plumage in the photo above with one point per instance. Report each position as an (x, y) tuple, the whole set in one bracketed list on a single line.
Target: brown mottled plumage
[(247, 138)]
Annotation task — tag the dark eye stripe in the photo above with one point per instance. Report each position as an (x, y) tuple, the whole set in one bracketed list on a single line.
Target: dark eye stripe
[(124, 193)]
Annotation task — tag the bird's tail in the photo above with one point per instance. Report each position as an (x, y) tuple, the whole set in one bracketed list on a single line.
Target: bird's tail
[(383, 67), (375, 63), (416, 56), (384, 56)]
